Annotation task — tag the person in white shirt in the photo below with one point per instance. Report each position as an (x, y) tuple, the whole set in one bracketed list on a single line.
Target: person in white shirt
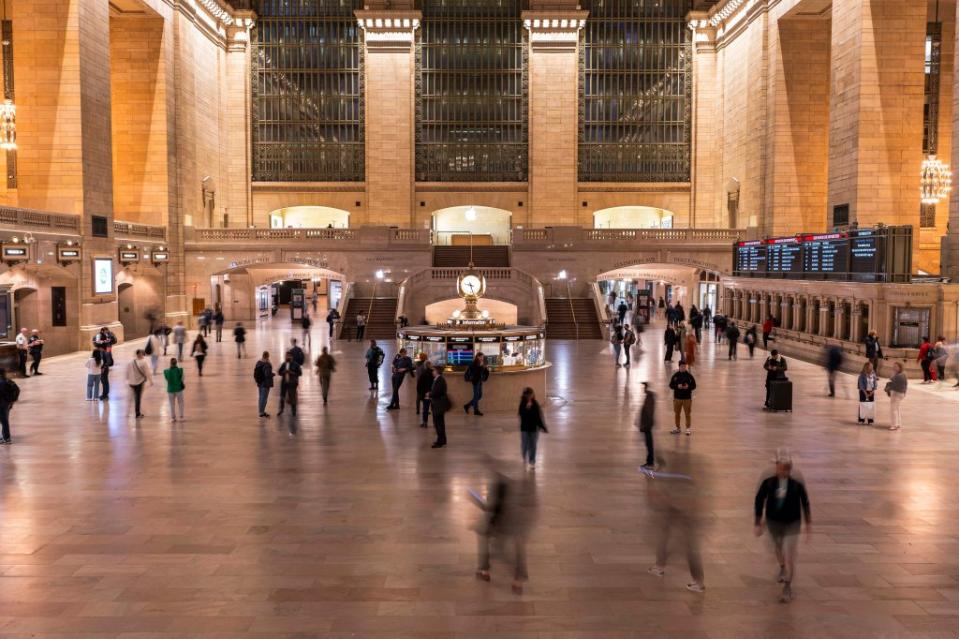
[(23, 348), (153, 347), (179, 338), (94, 367), (138, 375)]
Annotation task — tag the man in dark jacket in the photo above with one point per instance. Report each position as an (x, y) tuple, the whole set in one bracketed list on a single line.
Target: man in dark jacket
[(775, 367), (439, 403), (218, 323), (263, 376), (402, 366), (290, 373), (298, 355), (786, 504), (732, 334), (683, 384), (646, 421), (9, 394), (669, 342), (833, 364)]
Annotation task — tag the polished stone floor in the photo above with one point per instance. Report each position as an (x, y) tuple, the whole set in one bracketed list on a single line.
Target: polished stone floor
[(344, 523)]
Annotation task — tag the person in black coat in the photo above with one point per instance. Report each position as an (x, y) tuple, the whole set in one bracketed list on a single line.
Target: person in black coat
[(530, 424), (775, 367), (402, 366), (9, 394), (732, 335), (289, 372), (424, 383), (785, 503), (439, 404), (669, 340), (476, 373), (263, 376), (646, 421)]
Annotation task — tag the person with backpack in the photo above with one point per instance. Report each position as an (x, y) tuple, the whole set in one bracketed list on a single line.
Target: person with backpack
[(325, 367), (198, 351), (925, 359), (531, 423), (239, 336), (263, 376), (720, 324), (105, 339), (290, 372), (9, 394), (476, 373), (374, 359), (174, 388), (402, 366), (732, 336), (138, 376), (298, 355), (153, 347), (629, 339)]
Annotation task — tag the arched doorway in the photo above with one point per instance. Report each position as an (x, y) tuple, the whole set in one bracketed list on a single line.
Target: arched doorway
[(642, 286), (309, 217), (633, 217), (471, 224), (250, 292), (139, 299)]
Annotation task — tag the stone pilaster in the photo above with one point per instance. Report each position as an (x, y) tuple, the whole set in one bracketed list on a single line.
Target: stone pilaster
[(390, 142), (553, 114), (707, 193)]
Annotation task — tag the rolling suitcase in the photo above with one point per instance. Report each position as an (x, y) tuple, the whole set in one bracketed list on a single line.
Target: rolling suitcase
[(781, 395)]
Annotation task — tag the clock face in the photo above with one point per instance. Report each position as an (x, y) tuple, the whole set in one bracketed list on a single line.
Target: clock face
[(471, 285)]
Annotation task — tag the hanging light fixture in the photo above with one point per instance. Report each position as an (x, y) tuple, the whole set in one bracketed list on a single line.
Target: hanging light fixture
[(936, 180)]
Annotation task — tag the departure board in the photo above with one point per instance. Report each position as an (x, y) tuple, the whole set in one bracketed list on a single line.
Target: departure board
[(784, 255), (864, 252), (826, 254), (751, 256)]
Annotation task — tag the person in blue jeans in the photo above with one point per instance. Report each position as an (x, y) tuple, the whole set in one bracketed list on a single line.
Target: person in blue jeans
[(263, 376), (530, 424), (476, 374)]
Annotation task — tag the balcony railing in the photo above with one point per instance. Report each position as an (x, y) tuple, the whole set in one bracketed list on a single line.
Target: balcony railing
[(139, 231), (364, 235), (569, 236), (40, 220)]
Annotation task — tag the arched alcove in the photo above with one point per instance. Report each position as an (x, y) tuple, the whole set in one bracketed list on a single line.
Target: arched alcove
[(479, 225), (309, 217), (633, 217)]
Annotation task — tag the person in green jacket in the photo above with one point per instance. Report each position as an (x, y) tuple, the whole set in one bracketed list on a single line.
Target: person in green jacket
[(174, 388)]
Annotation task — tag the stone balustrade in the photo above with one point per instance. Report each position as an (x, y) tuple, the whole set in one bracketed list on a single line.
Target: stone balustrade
[(364, 236), (29, 219)]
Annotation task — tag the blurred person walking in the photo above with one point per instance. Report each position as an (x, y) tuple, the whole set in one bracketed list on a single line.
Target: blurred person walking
[(218, 320), (239, 336), (629, 339), (9, 395), (35, 344), (531, 422), (683, 384), (783, 500), (138, 376), (925, 359), (751, 338), (179, 338), (616, 339), (325, 367), (153, 347), (646, 421), (833, 363), (307, 323), (940, 357), (289, 372), (174, 388), (331, 318), (691, 344), (374, 359), (198, 351), (896, 389), (732, 336), (263, 376), (767, 331), (873, 350), (509, 514), (424, 382), (669, 342), (867, 385)]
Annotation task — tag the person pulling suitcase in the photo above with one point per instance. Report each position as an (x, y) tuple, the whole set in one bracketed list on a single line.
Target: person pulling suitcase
[(775, 367)]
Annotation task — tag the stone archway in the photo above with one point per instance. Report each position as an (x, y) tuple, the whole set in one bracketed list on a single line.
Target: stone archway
[(633, 217), (479, 225)]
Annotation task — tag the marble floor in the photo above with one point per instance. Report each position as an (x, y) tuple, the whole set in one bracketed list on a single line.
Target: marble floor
[(345, 523)]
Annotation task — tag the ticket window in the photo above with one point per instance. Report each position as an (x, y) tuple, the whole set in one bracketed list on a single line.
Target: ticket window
[(491, 350), (435, 351)]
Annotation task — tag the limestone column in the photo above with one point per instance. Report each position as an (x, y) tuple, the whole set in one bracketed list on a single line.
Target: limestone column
[(390, 133), (823, 317), (838, 318), (810, 315), (796, 313), (855, 321), (875, 109), (785, 312), (553, 114), (707, 206)]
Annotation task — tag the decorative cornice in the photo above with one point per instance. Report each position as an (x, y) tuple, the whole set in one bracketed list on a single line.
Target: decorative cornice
[(554, 28), (308, 187), (472, 187), (388, 28)]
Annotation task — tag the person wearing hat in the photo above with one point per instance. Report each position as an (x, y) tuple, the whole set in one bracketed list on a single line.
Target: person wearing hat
[(783, 500)]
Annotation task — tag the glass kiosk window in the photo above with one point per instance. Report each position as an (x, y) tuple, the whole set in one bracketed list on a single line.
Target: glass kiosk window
[(434, 347), (459, 351), (490, 347)]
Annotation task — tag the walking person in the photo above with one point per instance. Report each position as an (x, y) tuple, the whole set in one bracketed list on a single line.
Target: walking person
[(94, 366), (138, 376), (629, 339), (621, 310), (751, 339), (298, 355), (9, 395), (531, 422), (35, 344), (616, 339), (218, 323), (720, 325), (179, 338), (867, 384), (153, 347), (690, 353), (646, 421), (374, 359), (925, 360), (332, 318), (360, 326), (23, 351), (402, 366), (202, 321), (476, 373), (290, 372), (732, 336), (174, 388), (263, 376), (198, 351), (775, 367), (896, 389), (874, 350), (783, 500), (508, 515), (696, 321), (106, 363), (424, 382), (239, 336), (307, 323), (439, 404), (834, 359), (940, 357), (325, 367), (669, 341), (683, 384)]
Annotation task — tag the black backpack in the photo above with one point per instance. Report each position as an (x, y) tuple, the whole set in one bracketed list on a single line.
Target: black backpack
[(149, 348)]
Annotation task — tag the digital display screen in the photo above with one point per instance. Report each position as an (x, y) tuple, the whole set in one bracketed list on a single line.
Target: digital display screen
[(14, 251), (69, 253), (826, 253), (459, 354), (751, 257), (102, 276), (863, 252), (784, 255), (161, 257)]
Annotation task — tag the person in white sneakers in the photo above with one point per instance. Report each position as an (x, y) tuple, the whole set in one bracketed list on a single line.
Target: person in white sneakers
[(683, 384), (896, 389), (138, 376)]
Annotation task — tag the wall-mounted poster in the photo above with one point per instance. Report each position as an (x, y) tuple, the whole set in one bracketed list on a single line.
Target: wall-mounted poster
[(102, 276)]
